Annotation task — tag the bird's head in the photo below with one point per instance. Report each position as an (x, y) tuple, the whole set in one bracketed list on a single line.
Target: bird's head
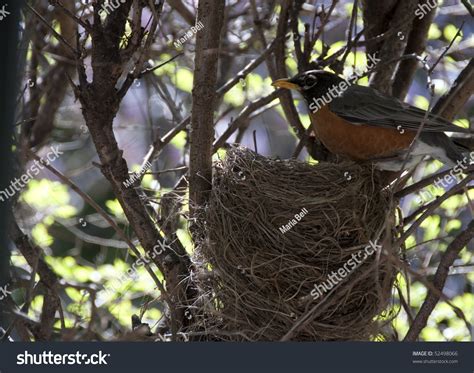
[(311, 84)]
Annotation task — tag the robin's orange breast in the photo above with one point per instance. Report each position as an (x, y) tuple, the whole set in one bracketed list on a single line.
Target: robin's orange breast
[(359, 142)]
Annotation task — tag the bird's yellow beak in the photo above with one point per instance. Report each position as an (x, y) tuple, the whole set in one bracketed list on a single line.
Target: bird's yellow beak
[(285, 83)]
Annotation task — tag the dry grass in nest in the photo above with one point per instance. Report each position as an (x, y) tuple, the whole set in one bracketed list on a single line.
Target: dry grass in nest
[(255, 282)]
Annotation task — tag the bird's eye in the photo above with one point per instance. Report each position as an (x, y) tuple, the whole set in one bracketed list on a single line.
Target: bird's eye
[(309, 81)]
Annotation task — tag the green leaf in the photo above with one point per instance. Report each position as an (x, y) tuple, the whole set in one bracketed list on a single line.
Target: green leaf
[(431, 226), (41, 194), (41, 236), (168, 69), (462, 123), (75, 295), (410, 242), (184, 80), (115, 208), (179, 141), (336, 46), (359, 59), (186, 240), (291, 66), (431, 334), (450, 31), (36, 306), (453, 225), (434, 32), (81, 273), (235, 96), (453, 204), (421, 102)]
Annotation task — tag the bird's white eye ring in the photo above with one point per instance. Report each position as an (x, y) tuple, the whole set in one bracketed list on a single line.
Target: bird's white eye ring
[(310, 81)]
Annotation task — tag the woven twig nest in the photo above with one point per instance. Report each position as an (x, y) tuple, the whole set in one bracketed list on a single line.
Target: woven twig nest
[(273, 233)]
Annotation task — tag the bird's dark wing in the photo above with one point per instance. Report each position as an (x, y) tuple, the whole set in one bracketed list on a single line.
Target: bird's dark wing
[(364, 105)]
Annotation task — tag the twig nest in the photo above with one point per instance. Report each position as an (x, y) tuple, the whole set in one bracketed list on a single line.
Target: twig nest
[(274, 234)]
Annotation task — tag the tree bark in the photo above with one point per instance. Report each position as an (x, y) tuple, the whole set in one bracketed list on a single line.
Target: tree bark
[(100, 101), (211, 14), (396, 18), (416, 44)]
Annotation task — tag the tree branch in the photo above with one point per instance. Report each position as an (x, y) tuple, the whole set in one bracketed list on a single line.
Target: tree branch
[(451, 103), (100, 102), (51, 302), (416, 44), (211, 14), (244, 116), (440, 277), (398, 18)]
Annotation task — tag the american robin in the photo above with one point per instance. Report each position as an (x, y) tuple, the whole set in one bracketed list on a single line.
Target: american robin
[(363, 124)]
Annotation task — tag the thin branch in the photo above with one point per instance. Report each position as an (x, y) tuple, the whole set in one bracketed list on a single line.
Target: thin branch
[(461, 90), (400, 18), (160, 143), (150, 70), (468, 6), (416, 44), (183, 11), (58, 36), (243, 117), (52, 302), (286, 98), (447, 260), (85, 24), (446, 49), (247, 69), (425, 182), (352, 24), (102, 213), (433, 207)]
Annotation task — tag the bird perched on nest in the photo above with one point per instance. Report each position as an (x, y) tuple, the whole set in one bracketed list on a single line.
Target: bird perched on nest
[(361, 123)]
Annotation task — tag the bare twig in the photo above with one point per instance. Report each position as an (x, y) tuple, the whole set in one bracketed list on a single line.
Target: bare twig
[(243, 117), (432, 207), (468, 6), (52, 302), (106, 216), (57, 35), (85, 24), (247, 69), (150, 70), (461, 90), (183, 11), (286, 99), (446, 49), (442, 272), (100, 102), (416, 44), (425, 182), (397, 16)]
